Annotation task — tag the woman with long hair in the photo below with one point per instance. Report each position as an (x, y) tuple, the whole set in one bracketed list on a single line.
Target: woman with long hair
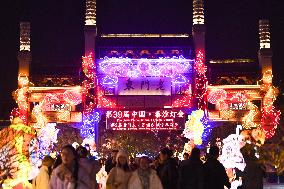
[(41, 181), (119, 175), (69, 174)]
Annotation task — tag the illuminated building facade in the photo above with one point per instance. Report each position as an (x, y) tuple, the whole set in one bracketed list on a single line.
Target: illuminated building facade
[(153, 82)]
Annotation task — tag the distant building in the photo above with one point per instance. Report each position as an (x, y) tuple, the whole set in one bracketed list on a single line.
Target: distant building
[(148, 82)]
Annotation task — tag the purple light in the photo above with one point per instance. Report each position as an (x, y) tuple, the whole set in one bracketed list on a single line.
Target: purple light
[(162, 67), (110, 80), (179, 79)]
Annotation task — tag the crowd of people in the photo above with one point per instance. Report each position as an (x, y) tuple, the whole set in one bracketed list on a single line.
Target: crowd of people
[(75, 169)]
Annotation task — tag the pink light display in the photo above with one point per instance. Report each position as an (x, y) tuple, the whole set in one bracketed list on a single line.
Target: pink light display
[(270, 115), (185, 101), (229, 102), (200, 81), (145, 120), (99, 99), (89, 99), (162, 67), (14, 113), (73, 97), (56, 102), (216, 96), (103, 101), (89, 67)]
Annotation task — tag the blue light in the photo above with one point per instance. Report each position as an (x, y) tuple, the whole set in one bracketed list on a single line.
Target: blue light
[(90, 121)]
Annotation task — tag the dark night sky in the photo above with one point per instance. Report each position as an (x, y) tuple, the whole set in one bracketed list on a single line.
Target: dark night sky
[(57, 30)]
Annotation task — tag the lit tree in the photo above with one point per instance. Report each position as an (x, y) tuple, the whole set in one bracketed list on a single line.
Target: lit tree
[(272, 154)]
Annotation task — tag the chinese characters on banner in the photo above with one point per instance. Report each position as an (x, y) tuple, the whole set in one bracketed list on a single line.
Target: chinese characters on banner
[(144, 86), (145, 120), (57, 107), (238, 106)]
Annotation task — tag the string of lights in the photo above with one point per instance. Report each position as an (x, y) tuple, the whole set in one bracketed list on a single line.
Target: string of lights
[(270, 115), (201, 81)]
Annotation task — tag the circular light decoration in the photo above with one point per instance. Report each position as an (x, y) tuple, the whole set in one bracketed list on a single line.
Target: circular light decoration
[(72, 97), (179, 79), (216, 96), (223, 105), (118, 71), (133, 73), (110, 80), (239, 97), (144, 67)]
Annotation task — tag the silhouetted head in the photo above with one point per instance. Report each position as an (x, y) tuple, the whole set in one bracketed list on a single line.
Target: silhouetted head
[(214, 151), (185, 156), (195, 153), (82, 152), (47, 161), (165, 154)]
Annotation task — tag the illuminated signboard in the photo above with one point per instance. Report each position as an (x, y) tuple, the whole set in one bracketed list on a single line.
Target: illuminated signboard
[(238, 106), (144, 86), (145, 120), (57, 107)]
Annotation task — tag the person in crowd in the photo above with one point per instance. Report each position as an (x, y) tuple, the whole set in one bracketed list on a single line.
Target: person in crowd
[(111, 161), (132, 164), (144, 177), (215, 176), (41, 181), (70, 174), (168, 169), (119, 175), (191, 172), (90, 165), (185, 156), (57, 162), (254, 171)]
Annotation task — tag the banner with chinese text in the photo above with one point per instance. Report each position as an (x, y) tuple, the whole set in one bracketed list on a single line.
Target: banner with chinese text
[(145, 120), (144, 86)]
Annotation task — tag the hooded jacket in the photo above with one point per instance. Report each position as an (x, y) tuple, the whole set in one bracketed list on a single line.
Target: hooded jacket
[(135, 182), (118, 178)]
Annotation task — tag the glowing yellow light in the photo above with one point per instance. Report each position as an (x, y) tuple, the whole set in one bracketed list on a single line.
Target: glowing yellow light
[(231, 61), (248, 120), (194, 127), (138, 35), (198, 12), (25, 36), (227, 114), (90, 18), (264, 34)]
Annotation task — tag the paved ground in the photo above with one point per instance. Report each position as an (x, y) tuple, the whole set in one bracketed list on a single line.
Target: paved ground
[(273, 186)]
